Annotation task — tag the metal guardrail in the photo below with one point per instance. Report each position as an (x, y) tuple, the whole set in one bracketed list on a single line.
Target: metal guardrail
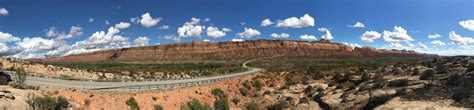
[(170, 85), (162, 84)]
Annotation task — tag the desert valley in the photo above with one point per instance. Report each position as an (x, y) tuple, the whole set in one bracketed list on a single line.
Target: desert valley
[(236, 55), (293, 75)]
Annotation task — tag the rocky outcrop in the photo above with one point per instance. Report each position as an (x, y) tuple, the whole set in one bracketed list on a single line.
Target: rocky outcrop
[(13, 64), (16, 99), (196, 51)]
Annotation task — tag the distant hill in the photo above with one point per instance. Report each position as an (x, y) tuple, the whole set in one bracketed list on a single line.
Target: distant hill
[(222, 51)]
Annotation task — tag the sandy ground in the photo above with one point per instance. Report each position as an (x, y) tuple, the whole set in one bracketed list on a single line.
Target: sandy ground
[(169, 99), (397, 104), (21, 96)]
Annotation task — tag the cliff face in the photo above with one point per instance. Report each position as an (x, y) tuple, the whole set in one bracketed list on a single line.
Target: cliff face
[(196, 51)]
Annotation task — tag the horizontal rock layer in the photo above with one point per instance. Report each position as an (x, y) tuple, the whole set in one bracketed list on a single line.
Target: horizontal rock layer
[(198, 51)]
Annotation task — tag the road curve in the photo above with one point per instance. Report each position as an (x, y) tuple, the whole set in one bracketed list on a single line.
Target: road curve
[(144, 85)]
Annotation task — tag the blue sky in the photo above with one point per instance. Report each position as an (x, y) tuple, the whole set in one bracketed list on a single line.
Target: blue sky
[(25, 24)]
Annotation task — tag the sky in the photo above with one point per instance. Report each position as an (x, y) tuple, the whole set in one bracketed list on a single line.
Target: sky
[(54, 28)]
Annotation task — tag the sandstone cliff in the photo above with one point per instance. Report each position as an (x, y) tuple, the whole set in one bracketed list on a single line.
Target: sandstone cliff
[(198, 51)]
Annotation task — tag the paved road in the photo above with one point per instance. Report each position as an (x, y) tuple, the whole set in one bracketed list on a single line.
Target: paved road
[(145, 85)]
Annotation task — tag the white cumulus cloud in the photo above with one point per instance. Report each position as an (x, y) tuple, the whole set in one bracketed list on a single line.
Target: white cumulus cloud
[(353, 45), (3, 12), (206, 19), (191, 29), (397, 45), (249, 33), (91, 20), (282, 35), (294, 22), (434, 36), (438, 43), (308, 37), (3, 49), (327, 35), (370, 36), (122, 25), (135, 20), (141, 41), (458, 39), (358, 25), (226, 29), (164, 27), (237, 40), (101, 39), (467, 24), (266, 22), (422, 46), (37, 47), (6, 37), (194, 20), (172, 37), (398, 34), (74, 31), (214, 32), (148, 21)]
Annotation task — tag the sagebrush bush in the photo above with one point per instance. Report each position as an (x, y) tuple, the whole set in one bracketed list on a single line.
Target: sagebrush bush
[(398, 83), (132, 103), (365, 77), (454, 79), (235, 100), (48, 103), (195, 105), (257, 84), (251, 106), (157, 107), (428, 74), (244, 91)]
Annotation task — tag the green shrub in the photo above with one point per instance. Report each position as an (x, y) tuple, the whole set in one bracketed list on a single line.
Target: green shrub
[(4, 78), (246, 84), (341, 78), (365, 77), (195, 105), (62, 102), (454, 80), (218, 93), (463, 91), (48, 103), (257, 84), (251, 106), (379, 82), (19, 79), (398, 83), (347, 77), (428, 74), (87, 102), (132, 103), (470, 67), (314, 73), (416, 71), (221, 104), (244, 91), (235, 100), (157, 107), (338, 77)]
